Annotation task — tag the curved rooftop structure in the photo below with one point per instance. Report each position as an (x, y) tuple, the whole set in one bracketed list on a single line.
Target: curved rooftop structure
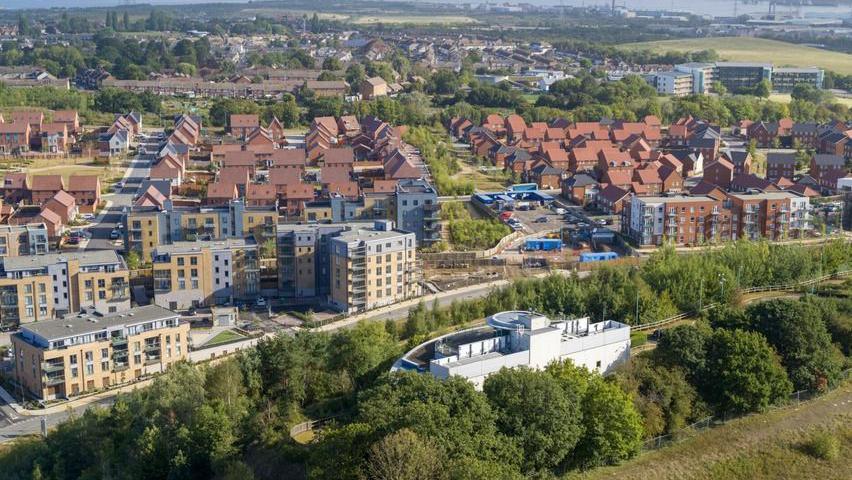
[(519, 338)]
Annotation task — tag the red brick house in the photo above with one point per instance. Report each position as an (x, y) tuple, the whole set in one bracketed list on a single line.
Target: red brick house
[(240, 125), (719, 173), (44, 187), (86, 190)]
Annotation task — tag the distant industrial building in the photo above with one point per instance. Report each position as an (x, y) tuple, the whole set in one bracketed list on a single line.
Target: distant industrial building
[(520, 339)]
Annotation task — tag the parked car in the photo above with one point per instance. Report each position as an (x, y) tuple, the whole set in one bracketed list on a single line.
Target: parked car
[(541, 220), (115, 234), (260, 302)]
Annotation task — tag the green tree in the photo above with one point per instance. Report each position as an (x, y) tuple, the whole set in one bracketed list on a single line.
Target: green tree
[(362, 349), (742, 372), (612, 427), (796, 330), (533, 408), (763, 89), (662, 395), (403, 455), (684, 346), (331, 63)]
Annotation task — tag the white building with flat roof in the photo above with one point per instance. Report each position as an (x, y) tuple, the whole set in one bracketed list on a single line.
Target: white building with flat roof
[(520, 339)]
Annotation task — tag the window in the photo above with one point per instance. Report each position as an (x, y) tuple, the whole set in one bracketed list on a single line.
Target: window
[(193, 260), (598, 364), (105, 366), (87, 283), (226, 262), (180, 261), (193, 272), (181, 284), (102, 295), (194, 284), (89, 296), (101, 283)]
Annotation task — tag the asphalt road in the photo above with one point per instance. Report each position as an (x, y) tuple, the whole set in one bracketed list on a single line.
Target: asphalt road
[(23, 426), (140, 169)]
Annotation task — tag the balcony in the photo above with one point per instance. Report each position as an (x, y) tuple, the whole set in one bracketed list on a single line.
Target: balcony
[(51, 381), (120, 366), (119, 341), (48, 367), (152, 359), (152, 347)]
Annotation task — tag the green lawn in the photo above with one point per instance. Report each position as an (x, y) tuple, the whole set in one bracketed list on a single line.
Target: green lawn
[(224, 336), (747, 49)]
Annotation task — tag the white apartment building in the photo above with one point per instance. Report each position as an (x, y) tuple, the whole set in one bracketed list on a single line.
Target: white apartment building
[(520, 339)]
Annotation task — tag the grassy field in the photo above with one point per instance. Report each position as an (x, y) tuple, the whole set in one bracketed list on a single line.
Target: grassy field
[(765, 446), (785, 98), (746, 49)]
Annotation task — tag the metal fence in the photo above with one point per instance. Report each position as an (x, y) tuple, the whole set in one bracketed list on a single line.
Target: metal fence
[(768, 288), (715, 420)]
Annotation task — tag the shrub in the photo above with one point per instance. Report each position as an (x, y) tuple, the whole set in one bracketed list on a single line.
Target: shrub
[(823, 445)]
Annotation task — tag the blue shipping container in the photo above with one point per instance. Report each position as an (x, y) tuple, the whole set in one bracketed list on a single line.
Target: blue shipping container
[(545, 244)]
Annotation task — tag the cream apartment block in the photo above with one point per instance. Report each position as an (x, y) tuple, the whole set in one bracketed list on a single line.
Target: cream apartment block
[(373, 267), (203, 273), (29, 239), (40, 287), (82, 353)]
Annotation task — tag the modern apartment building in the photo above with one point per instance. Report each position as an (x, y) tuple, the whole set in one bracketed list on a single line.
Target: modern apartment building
[(784, 79), (683, 220), (82, 353), (418, 210), (39, 287), (304, 257), (149, 227), (520, 339), (739, 77), (703, 75), (204, 273), (29, 239), (373, 267), (772, 215), (678, 84)]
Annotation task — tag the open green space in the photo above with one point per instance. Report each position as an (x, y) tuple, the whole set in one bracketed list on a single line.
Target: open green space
[(777, 444), (746, 49), (224, 336)]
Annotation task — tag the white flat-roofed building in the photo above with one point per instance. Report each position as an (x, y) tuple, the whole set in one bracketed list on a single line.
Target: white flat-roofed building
[(678, 84), (520, 339)]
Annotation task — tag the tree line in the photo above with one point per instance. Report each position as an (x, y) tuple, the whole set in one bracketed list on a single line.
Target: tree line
[(231, 420)]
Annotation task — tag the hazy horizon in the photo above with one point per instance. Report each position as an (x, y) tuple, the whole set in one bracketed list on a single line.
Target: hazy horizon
[(706, 7)]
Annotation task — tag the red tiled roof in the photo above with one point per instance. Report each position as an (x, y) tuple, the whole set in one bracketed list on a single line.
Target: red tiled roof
[(84, 183), (47, 183)]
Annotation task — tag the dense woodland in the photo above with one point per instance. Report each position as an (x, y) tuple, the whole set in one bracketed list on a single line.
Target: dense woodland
[(231, 420)]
